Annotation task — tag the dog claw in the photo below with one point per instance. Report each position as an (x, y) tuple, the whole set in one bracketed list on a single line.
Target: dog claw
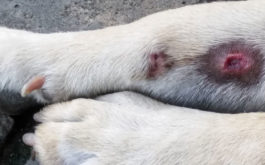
[(34, 84)]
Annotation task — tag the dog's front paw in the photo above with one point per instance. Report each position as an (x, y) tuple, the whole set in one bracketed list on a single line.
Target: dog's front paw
[(90, 132), (76, 132), (68, 132)]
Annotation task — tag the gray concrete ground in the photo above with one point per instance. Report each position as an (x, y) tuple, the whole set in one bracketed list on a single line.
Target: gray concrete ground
[(66, 15), (70, 15)]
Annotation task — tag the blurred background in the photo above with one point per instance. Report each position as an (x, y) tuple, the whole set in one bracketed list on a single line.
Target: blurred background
[(46, 16)]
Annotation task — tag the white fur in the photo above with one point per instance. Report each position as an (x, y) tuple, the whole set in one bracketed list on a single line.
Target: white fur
[(116, 58), (133, 129), (111, 133)]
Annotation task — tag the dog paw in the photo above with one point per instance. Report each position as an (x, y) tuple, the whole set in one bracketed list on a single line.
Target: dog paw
[(72, 111), (88, 132), (65, 129), (73, 133)]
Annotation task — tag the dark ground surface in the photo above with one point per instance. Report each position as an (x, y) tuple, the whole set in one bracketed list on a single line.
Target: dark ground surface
[(64, 15)]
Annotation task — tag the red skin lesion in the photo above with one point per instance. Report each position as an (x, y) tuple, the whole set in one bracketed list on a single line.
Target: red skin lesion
[(158, 64), (237, 64), (236, 61)]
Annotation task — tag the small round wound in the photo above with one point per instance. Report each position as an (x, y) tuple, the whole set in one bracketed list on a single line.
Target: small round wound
[(234, 61), (237, 63)]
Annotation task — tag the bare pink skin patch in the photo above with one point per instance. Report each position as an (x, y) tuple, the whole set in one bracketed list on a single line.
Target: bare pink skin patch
[(34, 84), (158, 65), (235, 61)]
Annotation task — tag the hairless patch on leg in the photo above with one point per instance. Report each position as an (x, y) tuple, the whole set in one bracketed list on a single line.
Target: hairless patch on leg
[(236, 61), (159, 63)]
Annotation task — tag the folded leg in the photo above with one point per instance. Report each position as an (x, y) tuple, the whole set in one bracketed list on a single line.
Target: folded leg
[(109, 133)]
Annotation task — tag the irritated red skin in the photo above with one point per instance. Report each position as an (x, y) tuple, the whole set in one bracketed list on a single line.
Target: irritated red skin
[(236, 61), (237, 64), (158, 64)]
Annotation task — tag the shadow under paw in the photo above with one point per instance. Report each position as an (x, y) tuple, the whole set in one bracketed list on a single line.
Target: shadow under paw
[(14, 151)]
